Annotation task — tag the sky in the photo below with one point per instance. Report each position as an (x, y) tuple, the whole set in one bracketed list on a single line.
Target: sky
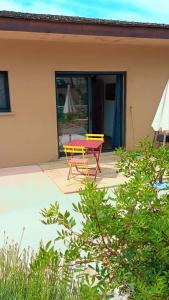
[(154, 11)]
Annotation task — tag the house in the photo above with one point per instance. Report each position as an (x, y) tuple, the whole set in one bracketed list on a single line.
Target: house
[(116, 72)]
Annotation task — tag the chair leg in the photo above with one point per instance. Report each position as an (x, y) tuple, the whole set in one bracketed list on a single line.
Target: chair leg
[(77, 169), (97, 158), (70, 172)]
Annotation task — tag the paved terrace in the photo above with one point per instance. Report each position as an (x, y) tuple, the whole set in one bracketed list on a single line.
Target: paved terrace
[(24, 191)]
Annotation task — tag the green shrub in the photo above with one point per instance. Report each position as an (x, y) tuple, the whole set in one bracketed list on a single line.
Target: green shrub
[(149, 162), (124, 240), (28, 276)]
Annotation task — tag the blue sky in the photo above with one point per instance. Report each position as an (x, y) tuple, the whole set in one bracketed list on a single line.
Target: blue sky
[(129, 10)]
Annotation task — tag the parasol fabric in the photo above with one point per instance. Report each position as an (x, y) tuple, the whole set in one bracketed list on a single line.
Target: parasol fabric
[(161, 119)]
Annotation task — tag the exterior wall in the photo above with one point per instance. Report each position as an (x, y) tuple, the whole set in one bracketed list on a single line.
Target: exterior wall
[(29, 135)]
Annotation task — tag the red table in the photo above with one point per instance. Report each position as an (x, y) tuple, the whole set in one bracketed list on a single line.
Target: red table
[(93, 147)]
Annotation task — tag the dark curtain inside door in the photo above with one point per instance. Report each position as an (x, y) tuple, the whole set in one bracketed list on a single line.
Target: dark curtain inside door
[(117, 122)]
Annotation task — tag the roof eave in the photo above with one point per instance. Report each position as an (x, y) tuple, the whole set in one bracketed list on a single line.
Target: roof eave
[(94, 29)]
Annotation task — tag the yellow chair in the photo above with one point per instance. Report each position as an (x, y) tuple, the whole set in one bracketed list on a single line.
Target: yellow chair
[(79, 163), (96, 153), (95, 137)]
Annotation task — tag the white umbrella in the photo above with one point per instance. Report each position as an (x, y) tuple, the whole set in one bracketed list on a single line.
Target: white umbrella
[(161, 119), (69, 107)]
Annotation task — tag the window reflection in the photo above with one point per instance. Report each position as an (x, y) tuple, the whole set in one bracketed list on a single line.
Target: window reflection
[(72, 108)]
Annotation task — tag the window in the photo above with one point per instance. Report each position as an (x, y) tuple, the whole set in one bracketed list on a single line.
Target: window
[(4, 92)]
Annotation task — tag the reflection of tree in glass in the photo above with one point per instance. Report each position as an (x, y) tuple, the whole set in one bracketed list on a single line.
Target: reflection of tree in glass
[(80, 85), (61, 99), (79, 94)]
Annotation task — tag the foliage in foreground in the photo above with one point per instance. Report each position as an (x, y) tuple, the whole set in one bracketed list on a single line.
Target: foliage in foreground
[(28, 276), (124, 240)]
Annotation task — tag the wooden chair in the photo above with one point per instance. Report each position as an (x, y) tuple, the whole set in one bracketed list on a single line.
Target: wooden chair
[(80, 164)]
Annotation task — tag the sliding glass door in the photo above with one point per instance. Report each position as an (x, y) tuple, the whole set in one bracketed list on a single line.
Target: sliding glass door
[(72, 108), (91, 102)]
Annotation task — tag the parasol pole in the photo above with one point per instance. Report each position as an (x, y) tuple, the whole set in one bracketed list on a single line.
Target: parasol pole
[(164, 138)]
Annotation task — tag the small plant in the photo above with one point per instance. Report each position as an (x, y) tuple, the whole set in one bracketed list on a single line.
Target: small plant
[(148, 162), (124, 241), (25, 275)]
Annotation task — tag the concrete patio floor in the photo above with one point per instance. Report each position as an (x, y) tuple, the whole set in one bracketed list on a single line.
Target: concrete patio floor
[(24, 191), (109, 177)]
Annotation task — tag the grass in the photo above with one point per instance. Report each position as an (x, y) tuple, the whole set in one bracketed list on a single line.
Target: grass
[(25, 275)]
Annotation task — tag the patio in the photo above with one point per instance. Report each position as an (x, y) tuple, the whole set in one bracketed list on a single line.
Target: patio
[(109, 177), (24, 191)]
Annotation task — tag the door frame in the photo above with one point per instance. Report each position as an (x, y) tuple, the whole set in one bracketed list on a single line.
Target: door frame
[(91, 73)]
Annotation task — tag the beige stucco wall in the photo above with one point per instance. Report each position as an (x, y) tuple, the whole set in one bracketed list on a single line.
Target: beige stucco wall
[(29, 135)]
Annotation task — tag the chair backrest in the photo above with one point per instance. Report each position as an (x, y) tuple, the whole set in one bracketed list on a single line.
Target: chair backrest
[(74, 150), (95, 137)]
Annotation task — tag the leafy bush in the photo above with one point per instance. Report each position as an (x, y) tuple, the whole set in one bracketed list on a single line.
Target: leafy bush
[(124, 241), (25, 275), (148, 162)]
